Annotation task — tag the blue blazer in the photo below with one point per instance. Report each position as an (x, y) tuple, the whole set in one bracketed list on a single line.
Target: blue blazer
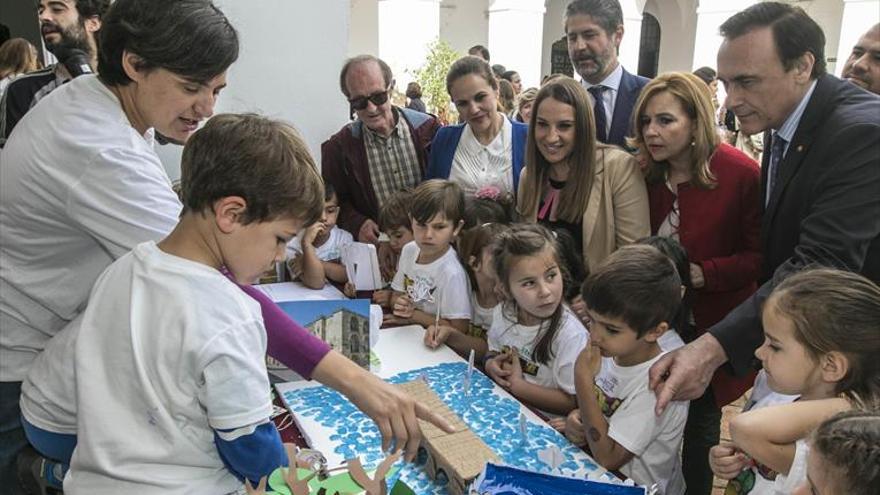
[(446, 142), (627, 94)]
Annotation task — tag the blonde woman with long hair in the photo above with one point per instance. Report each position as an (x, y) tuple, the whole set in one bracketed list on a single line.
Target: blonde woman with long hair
[(706, 195), (571, 181)]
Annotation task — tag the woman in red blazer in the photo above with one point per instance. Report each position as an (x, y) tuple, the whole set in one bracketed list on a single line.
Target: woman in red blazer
[(705, 194)]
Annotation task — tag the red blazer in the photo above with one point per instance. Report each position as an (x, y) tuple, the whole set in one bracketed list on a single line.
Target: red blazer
[(720, 229)]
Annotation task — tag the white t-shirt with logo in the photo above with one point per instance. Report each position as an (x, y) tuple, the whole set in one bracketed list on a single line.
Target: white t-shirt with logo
[(759, 479), (168, 351), (570, 340), (442, 282), (331, 250), (481, 318), (655, 442)]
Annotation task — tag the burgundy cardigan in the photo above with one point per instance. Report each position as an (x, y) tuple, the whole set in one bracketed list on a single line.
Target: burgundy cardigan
[(720, 229)]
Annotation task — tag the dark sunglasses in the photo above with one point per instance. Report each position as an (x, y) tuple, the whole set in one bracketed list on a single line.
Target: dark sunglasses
[(360, 102)]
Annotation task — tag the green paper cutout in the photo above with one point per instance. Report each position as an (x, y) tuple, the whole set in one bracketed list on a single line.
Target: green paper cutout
[(341, 482)]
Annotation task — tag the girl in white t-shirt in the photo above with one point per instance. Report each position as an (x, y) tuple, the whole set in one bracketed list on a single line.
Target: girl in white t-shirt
[(821, 342), (534, 338), (475, 255)]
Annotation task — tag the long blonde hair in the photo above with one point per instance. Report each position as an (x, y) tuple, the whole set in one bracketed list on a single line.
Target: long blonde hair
[(696, 100), (574, 196)]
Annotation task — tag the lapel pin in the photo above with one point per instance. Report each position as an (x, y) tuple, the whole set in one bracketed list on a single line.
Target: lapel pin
[(800, 148)]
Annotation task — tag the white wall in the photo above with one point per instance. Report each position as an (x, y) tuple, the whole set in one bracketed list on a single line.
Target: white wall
[(553, 30), (678, 24), (406, 28), (288, 67), (464, 23), (858, 16), (364, 35), (828, 14)]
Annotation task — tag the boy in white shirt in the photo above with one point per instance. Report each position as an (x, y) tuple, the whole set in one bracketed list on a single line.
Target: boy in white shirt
[(430, 279), (171, 386), (630, 298), (314, 254)]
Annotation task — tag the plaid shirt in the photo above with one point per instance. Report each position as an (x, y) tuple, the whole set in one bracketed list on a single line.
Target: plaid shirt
[(393, 162)]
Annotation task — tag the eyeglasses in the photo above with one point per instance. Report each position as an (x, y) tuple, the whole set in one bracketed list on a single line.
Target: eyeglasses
[(360, 102)]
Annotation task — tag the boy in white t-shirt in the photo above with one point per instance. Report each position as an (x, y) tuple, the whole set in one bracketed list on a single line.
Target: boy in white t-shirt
[(171, 384), (630, 298), (430, 280), (314, 254)]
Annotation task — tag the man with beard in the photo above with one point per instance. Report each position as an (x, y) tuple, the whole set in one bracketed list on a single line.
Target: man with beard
[(68, 28), (862, 68), (594, 30)]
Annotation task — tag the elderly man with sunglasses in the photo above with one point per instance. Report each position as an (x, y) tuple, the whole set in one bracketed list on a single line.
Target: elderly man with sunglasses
[(383, 151)]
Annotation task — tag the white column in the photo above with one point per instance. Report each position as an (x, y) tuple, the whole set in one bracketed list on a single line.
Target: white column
[(710, 15), (858, 17), (363, 37), (632, 35), (406, 27), (464, 23), (516, 28)]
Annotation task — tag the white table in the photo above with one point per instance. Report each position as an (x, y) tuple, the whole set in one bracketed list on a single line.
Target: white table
[(400, 350)]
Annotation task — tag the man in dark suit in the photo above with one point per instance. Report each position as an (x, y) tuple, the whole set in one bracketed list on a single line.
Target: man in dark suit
[(594, 29), (820, 177)]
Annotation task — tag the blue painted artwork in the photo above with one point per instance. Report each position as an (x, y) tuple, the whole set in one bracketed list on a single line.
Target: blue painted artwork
[(493, 418)]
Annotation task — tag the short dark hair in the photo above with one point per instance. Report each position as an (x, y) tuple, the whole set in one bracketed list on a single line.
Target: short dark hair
[(394, 212), (387, 76), (92, 8), (706, 74), (678, 255), (508, 75), (329, 191), (498, 69), (636, 283), (413, 90), (794, 32), (264, 161), (191, 38), (606, 13), (437, 196), (482, 50), (467, 65)]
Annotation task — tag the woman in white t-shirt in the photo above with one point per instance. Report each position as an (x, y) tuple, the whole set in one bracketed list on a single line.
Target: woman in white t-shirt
[(484, 154), (534, 339)]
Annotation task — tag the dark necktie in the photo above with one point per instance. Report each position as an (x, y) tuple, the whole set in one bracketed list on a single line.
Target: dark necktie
[(599, 112), (776, 152)]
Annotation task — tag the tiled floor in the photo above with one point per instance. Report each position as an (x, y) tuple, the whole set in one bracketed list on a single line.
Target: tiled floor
[(727, 413)]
